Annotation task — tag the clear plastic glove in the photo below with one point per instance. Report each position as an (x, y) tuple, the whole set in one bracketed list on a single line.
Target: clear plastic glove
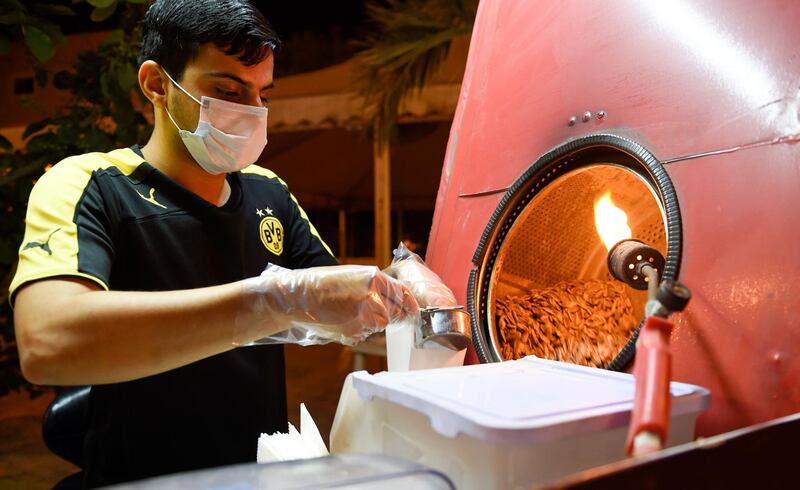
[(426, 286), (344, 303)]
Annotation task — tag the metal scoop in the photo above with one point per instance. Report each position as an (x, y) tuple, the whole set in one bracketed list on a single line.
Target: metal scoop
[(444, 326)]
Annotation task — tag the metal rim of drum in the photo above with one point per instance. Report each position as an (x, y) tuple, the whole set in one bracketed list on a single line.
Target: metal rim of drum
[(559, 161)]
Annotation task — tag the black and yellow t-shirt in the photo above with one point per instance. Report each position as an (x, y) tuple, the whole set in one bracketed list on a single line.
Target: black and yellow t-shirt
[(114, 219)]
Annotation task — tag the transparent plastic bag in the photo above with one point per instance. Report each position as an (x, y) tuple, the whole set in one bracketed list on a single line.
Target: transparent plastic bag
[(343, 304), (426, 286)]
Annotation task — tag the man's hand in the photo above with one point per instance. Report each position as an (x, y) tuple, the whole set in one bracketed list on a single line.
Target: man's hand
[(345, 303), (426, 286)]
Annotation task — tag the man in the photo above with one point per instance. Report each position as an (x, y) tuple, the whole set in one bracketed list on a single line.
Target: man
[(151, 271)]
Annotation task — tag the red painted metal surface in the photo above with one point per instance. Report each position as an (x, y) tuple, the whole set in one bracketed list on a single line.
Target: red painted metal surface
[(712, 88)]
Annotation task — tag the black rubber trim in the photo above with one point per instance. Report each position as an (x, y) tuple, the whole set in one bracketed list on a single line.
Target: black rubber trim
[(556, 162), (478, 334)]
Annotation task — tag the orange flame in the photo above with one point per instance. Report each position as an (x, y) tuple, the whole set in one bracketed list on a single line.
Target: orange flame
[(611, 222)]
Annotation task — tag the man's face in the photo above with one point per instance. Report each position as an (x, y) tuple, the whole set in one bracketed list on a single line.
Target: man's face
[(214, 74)]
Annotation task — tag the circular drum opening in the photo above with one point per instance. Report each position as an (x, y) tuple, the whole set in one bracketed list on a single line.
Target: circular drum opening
[(542, 285)]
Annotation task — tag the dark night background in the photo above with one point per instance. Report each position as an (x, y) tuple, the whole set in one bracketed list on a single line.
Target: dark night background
[(316, 33)]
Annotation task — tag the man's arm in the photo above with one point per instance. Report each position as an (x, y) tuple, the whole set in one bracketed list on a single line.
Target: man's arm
[(69, 331)]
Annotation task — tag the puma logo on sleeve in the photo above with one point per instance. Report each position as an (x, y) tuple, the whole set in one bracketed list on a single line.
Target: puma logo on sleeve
[(43, 245)]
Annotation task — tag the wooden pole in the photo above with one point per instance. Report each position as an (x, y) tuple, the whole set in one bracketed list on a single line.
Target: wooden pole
[(400, 223), (342, 235), (383, 200)]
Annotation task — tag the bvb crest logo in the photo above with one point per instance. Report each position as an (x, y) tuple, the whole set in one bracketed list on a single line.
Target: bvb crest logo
[(271, 232)]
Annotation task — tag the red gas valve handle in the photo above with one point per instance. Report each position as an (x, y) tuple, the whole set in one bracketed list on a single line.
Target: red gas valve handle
[(652, 372)]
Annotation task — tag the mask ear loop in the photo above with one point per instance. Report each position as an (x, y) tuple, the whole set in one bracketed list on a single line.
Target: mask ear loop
[(179, 86), (182, 90)]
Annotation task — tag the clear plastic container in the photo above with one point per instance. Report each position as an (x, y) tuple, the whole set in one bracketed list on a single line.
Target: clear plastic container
[(502, 425), (352, 471)]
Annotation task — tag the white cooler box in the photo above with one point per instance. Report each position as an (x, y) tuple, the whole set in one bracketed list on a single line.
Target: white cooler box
[(502, 425)]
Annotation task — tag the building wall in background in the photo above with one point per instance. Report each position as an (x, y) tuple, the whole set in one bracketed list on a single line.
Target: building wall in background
[(16, 71)]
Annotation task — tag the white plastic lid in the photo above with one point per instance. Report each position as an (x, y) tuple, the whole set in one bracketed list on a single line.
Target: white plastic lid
[(528, 400)]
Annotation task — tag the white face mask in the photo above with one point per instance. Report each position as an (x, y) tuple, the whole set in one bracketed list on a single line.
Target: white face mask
[(229, 136)]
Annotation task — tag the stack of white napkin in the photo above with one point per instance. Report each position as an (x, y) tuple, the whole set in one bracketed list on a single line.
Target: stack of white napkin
[(305, 444)]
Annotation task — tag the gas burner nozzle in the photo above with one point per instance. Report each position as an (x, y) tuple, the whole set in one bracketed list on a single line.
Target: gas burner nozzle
[(640, 266), (635, 263)]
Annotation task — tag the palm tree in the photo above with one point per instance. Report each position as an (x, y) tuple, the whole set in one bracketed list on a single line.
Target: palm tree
[(410, 40)]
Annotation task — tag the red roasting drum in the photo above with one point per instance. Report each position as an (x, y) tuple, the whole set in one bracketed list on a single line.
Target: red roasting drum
[(687, 113)]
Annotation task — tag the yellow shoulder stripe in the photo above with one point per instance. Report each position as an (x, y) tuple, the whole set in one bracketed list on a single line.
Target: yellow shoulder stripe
[(50, 245)]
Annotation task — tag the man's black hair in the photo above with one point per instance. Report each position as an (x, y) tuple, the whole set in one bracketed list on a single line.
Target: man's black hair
[(174, 30)]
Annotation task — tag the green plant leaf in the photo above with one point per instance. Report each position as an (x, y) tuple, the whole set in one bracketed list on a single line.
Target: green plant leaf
[(41, 143), (52, 30), (126, 77), (13, 18), (5, 144), (5, 44), (105, 89), (101, 3), (115, 36), (19, 173), (52, 9), (35, 127), (67, 135), (100, 14), (39, 43), (11, 5)]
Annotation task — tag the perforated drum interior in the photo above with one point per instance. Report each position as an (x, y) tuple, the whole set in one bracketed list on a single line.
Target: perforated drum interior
[(555, 239), (543, 236)]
